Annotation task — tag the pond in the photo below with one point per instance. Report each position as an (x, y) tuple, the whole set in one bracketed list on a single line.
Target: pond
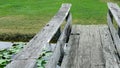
[(9, 49), (5, 45)]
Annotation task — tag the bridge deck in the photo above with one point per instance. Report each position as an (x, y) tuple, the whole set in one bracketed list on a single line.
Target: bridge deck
[(90, 46)]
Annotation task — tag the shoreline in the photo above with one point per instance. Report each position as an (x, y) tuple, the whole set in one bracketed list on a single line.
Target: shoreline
[(16, 37)]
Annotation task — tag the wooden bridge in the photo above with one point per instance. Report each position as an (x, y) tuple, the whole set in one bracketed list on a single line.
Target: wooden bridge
[(77, 46)]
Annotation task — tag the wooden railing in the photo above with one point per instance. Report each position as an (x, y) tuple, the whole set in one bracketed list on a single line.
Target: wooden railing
[(32, 51), (114, 14)]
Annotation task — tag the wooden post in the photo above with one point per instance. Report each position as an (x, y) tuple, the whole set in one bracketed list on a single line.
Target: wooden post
[(67, 33), (69, 20), (111, 17), (113, 12), (59, 50)]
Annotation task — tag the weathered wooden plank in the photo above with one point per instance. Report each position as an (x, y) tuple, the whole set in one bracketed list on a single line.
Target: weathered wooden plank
[(68, 26), (115, 10), (86, 48), (114, 33), (72, 45), (30, 63), (75, 59), (108, 49), (88, 52), (60, 45), (39, 42), (96, 47), (83, 57)]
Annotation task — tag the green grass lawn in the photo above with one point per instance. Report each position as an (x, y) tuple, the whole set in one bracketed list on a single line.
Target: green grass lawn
[(29, 16)]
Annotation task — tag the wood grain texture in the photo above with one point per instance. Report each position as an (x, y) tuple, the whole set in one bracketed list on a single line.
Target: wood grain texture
[(69, 57), (34, 48), (97, 60), (108, 49), (114, 33), (86, 48), (30, 63), (115, 10), (91, 47), (59, 51)]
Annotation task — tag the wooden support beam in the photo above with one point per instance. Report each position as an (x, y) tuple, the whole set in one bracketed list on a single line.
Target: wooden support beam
[(114, 11), (109, 51), (59, 51)]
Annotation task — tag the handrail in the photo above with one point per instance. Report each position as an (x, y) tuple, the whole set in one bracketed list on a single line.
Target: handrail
[(114, 12), (59, 50), (28, 56)]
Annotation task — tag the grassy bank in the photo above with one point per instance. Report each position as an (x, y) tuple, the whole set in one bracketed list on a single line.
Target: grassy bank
[(29, 16)]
